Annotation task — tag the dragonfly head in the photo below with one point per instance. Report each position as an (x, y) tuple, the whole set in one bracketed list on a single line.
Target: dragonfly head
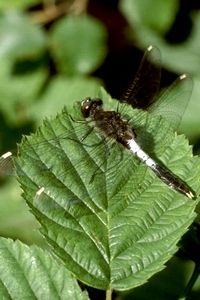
[(90, 106)]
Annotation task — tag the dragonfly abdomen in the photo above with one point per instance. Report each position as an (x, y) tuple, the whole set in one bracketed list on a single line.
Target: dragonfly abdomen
[(164, 174)]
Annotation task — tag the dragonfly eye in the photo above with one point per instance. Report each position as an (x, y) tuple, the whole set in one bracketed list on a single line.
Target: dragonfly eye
[(88, 105)]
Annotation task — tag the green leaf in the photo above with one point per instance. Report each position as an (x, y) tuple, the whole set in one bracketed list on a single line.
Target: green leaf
[(144, 12), (18, 92), (33, 273), (21, 47), (179, 58), (190, 122), (78, 45), (111, 220), (19, 38), (168, 284)]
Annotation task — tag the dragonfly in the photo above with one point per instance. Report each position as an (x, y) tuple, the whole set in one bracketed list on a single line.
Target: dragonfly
[(142, 94)]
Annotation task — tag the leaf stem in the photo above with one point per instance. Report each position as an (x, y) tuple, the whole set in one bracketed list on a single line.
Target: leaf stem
[(109, 294)]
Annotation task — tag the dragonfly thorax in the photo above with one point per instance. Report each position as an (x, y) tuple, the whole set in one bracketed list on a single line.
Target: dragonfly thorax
[(110, 123)]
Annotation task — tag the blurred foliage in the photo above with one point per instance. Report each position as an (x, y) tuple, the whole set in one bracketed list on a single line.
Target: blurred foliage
[(42, 69), (55, 52), (146, 29)]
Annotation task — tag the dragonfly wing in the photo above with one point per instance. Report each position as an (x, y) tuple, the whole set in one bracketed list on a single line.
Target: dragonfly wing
[(142, 91), (172, 103), (6, 164), (56, 137)]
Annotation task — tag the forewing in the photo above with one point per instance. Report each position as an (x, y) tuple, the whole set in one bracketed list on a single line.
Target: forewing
[(60, 136), (145, 86)]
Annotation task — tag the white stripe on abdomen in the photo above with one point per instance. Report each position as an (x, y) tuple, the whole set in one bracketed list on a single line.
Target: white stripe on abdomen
[(135, 149)]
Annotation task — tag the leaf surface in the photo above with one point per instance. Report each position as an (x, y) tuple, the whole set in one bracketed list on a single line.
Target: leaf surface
[(105, 214), (33, 273)]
